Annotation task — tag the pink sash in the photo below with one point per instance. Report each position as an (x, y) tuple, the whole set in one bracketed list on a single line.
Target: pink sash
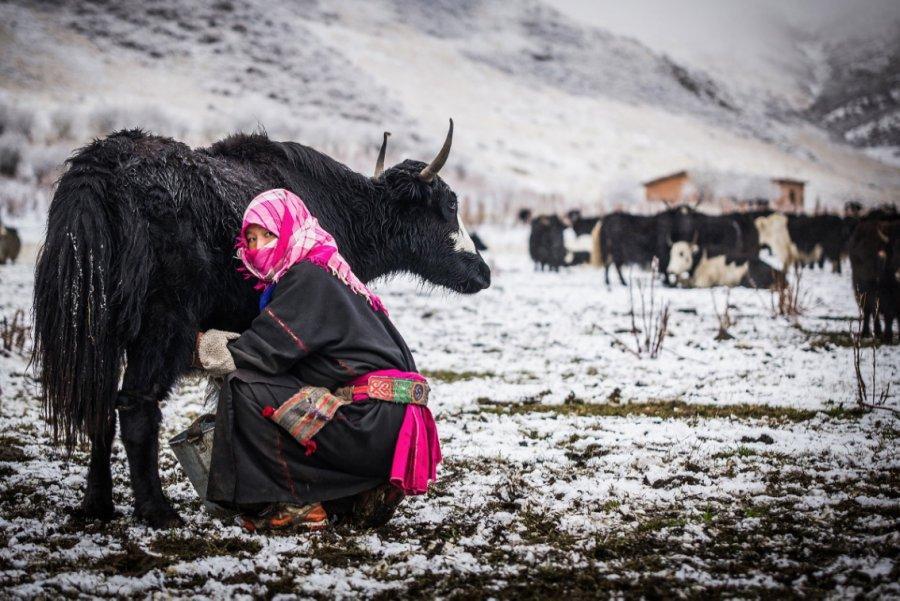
[(418, 450)]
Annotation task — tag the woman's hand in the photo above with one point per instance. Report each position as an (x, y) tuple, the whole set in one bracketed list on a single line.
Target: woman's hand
[(213, 354)]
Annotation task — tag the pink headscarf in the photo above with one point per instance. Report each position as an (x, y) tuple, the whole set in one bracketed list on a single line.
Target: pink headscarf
[(300, 238)]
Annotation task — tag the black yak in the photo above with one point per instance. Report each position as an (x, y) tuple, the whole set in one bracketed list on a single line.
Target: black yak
[(139, 257), (875, 264), (625, 239), (545, 243)]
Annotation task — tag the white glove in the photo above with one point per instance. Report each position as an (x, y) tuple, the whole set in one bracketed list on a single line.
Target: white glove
[(213, 354)]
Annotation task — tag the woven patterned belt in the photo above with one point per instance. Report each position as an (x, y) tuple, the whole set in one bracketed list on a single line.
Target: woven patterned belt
[(395, 390)]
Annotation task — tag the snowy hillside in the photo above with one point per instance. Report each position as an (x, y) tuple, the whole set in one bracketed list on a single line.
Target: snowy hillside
[(834, 63), (548, 100)]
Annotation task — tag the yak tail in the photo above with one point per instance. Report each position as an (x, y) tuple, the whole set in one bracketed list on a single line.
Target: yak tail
[(86, 306), (596, 249)]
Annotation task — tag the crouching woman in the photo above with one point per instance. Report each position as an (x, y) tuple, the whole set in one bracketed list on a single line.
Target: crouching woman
[(323, 415)]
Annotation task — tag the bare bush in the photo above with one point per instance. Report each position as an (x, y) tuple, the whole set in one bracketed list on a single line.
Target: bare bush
[(788, 299), (14, 333), (724, 317), (11, 147), (654, 317), (18, 198), (66, 124), (44, 164), (874, 394), (16, 119)]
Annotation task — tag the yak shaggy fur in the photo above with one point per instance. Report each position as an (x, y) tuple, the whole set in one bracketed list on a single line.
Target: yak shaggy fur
[(139, 257)]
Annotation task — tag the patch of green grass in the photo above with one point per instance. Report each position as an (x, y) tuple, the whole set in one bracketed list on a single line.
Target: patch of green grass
[(756, 511), (610, 505), (841, 412), (339, 552), (131, 561), (823, 339), (739, 451), (447, 375), (10, 451), (192, 547), (542, 528), (665, 410), (656, 524)]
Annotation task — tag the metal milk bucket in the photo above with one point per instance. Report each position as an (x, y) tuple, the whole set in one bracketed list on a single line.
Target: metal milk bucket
[(193, 448)]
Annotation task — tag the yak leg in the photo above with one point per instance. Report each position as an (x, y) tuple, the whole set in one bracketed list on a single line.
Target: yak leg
[(619, 271), (153, 368), (97, 503), (888, 336)]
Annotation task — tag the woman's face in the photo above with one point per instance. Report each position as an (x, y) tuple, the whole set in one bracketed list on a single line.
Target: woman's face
[(258, 236)]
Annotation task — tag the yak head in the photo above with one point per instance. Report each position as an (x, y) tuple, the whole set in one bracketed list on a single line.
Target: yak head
[(682, 257), (428, 236)]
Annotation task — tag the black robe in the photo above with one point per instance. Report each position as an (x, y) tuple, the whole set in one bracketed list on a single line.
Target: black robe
[(314, 332)]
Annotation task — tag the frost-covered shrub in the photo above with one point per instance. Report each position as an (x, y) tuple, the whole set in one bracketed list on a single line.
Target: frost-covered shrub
[(18, 198), (11, 147), (67, 123), (105, 119), (44, 164), (15, 119)]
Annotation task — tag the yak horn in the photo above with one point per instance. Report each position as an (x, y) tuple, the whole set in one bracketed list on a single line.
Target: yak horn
[(379, 164), (427, 174), (881, 234)]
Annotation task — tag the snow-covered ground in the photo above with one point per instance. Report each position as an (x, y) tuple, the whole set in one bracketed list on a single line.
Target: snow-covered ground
[(733, 467)]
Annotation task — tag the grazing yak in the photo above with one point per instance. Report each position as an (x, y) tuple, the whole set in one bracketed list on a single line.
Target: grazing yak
[(819, 237), (10, 244), (139, 257), (706, 266), (624, 239), (546, 243), (578, 238), (875, 265), (682, 224)]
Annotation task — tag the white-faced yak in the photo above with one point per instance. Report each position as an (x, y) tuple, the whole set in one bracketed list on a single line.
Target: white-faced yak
[(139, 257)]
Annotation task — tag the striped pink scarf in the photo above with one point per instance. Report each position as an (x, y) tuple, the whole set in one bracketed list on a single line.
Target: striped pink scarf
[(300, 238)]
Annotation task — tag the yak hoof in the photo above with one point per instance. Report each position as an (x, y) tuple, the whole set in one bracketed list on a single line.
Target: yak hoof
[(94, 509), (159, 515)]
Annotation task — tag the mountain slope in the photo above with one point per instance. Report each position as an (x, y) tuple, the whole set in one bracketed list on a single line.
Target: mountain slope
[(545, 103)]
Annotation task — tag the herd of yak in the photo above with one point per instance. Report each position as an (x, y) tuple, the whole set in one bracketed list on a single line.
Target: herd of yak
[(752, 249)]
